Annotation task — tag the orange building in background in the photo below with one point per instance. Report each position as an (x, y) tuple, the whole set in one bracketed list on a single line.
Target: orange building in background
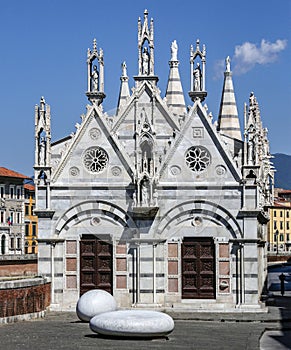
[(30, 219), (280, 223)]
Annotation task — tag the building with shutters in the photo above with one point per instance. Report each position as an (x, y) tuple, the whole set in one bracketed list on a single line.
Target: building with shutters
[(160, 204), (30, 245), (279, 233), (11, 212)]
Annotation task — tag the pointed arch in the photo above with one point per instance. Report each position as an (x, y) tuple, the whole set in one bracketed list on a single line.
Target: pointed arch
[(200, 207), (84, 210)]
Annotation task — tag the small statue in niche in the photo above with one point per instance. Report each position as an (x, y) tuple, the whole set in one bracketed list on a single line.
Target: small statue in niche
[(42, 178), (145, 195), (145, 61), (134, 203), (42, 148), (197, 78), (251, 152), (251, 146), (95, 79), (155, 197)]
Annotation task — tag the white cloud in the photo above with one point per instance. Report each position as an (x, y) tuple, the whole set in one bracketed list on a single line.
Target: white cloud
[(247, 55), (219, 67)]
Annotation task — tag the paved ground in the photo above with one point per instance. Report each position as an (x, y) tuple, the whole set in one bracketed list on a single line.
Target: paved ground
[(274, 271), (276, 340), (64, 331), (208, 331)]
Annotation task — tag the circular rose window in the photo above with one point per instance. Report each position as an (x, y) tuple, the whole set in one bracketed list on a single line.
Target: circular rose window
[(198, 158), (95, 159)]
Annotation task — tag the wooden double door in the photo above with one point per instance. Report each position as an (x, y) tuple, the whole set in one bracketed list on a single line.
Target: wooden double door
[(198, 268), (96, 263)]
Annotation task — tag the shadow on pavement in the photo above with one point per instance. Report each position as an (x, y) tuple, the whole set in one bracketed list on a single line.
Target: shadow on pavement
[(148, 339), (282, 335)]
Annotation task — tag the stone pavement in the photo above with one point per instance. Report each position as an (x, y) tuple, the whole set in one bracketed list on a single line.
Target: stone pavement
[(63, 330), (278, 336)]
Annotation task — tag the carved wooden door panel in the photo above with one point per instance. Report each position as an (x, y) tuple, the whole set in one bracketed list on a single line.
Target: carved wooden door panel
[(95, 264), (198, 268)]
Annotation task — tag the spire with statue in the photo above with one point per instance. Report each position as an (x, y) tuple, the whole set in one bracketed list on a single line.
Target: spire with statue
[(146, 60), (197, 72), (95, 74)]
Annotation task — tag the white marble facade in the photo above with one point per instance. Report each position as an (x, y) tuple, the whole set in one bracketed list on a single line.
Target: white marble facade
[(149, 180)]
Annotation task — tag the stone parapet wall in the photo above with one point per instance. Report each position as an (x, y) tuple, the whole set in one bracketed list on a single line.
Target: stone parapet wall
[(280, 258), (23, 297), (22, 265)]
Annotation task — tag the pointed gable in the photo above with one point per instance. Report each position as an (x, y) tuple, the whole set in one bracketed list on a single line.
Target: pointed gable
[(147, 105), (197, 154), (92, 153)]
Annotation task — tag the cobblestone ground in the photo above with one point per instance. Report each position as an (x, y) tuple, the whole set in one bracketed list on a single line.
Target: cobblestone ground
[(64, 331)]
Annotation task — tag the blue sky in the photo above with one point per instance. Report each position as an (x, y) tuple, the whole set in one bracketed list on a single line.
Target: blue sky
[(44, 45)]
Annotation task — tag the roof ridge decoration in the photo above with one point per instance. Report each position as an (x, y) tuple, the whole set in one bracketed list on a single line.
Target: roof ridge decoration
[(257, 162)]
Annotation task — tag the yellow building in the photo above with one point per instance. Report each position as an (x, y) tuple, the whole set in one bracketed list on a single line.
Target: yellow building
[(31, 221), (280, 223)]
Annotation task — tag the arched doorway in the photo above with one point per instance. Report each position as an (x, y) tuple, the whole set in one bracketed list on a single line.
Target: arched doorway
[(198, 268), (96, 263)]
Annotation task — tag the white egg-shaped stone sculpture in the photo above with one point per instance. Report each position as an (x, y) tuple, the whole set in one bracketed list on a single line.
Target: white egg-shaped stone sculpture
[(94, 302), (133, 323)]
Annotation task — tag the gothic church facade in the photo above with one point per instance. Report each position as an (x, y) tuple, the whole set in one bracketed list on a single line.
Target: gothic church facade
[(158, 204)]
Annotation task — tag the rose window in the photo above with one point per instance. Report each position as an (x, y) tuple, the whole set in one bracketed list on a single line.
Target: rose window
[(95, 159), (198, 158)]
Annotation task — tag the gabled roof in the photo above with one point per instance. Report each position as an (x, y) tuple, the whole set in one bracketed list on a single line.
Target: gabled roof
[(93, 112), (284, 192), (281, 204), (11, 173), (29, 187)]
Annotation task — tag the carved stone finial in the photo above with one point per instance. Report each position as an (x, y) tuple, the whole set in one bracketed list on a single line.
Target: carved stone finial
[(252, 99), (174, 51), (227, 64), (124, 71), (204, 50), (94, 45), (197, 45)]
